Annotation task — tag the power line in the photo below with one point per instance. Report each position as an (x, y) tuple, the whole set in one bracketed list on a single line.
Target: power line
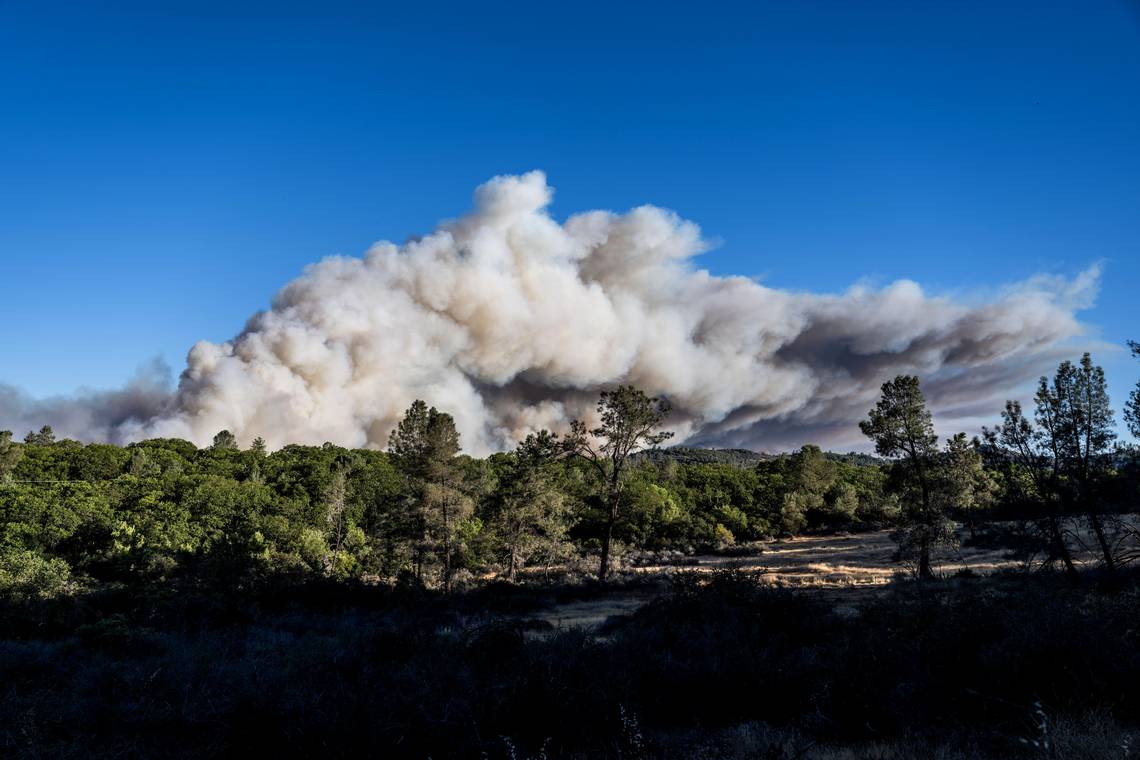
[(5, 482)]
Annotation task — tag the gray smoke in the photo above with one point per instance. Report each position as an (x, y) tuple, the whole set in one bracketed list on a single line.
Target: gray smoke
[(513, 322), (94, 415)]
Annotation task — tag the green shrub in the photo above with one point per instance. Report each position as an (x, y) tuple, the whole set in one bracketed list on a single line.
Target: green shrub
[(26, 575)]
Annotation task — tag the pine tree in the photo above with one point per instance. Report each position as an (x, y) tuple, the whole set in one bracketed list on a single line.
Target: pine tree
[(1132, 408), (1075, 414), (10, 454), (630, 421), (224, 440), (1027, 450), (424, 446), (528, 517), (45, 436), (963, 484), (902, 428)]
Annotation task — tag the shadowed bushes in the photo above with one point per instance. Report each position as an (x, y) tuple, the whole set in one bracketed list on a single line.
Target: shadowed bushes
[(720, 664)]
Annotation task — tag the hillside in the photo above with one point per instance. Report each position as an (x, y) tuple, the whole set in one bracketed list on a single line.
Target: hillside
[(742, 458)]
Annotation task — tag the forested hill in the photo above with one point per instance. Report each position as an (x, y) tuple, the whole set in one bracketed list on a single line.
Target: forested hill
[(690, 455), (743, 458)]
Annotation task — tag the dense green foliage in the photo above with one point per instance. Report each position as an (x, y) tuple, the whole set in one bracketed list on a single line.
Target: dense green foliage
[(75, 516)]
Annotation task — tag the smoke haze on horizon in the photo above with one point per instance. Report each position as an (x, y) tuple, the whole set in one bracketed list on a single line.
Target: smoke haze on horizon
[(512, 322)]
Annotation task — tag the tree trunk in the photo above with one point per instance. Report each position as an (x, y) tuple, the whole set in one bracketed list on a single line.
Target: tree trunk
[(511, 558), (1098, 529), (1084, 497), (421, 552), (1060, 548), (924, 569), (604, 568), (446, 549)]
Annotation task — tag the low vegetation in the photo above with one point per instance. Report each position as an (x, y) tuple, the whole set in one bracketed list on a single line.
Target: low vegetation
[(720, 666)]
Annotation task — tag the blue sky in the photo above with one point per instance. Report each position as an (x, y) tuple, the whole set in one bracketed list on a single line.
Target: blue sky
[(164, 167)]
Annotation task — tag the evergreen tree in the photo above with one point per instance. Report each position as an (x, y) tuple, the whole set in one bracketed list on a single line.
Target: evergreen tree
[(1028, 451), (1132, 408), (10, 454), (809, 476), (630, 421), (902, 428), (529, 515), (224, 440), (1074, 412), (45, 436), (964, 485), (424, 446)]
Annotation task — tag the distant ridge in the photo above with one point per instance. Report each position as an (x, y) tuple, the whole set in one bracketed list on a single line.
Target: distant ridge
[(742, 458), (691, 455)]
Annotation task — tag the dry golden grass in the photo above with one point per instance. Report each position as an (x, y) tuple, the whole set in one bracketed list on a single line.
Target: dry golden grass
[(859, 559), (836, 564)]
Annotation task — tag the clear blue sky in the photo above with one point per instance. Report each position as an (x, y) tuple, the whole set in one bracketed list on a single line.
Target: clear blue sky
[(164, 167)]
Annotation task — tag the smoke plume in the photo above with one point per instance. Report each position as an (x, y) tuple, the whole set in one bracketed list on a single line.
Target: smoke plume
[(513, 322)]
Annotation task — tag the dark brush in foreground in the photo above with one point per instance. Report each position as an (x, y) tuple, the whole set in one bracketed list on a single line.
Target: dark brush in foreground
[(1010, 665)]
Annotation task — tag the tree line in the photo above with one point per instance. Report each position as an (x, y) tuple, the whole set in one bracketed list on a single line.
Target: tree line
[(423, 513), (1065, 468)]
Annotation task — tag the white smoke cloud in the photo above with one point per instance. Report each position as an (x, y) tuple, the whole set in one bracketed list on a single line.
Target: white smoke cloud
[(512, 322)]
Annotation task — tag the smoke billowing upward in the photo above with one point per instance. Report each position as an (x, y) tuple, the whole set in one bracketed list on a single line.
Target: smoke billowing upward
[(513, 322)]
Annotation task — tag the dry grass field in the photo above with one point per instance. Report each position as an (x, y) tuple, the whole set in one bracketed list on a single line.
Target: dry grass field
[(835, 564), (844, 560)]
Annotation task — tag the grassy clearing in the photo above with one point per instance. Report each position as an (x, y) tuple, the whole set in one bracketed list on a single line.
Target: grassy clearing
[(836, 565)]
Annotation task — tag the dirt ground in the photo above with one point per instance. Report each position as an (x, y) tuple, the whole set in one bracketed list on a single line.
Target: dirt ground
[(836, 564), (843, 560)]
